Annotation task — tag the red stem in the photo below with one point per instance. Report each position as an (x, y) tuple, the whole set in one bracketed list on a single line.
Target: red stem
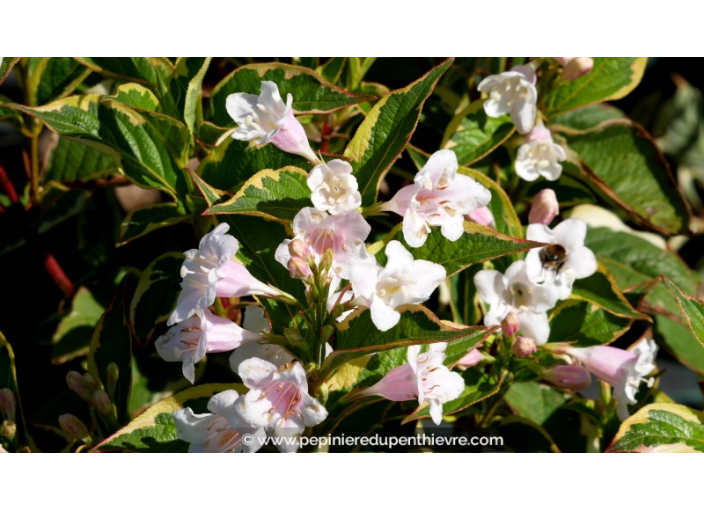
[(57, 274), (325, 136), (8, 186)]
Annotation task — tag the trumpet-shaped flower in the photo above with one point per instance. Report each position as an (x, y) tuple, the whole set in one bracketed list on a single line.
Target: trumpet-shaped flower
[(189, 340), (210, 271), (424, 377), (539, 155), (403, 281), (512, 92), (254, 320), (515, 292), (621, 369), (342, 234), (439, 197), (278, 400), (219, 431), (266, 118), (334, 188), (564, 260)]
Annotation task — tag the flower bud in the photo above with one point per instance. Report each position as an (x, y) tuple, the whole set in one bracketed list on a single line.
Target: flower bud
[(524, 347), (482, 216), (113, 374), (102, 403), (298, 268), (8, 404), (74, 427), (325, 262), (569, 377), (327, 332), (294, 337), (470, 359), (79, 385), (510, 324), (544, 208), (577, 67), (298, 248)]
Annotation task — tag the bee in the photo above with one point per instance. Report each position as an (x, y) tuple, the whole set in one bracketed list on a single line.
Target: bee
[(553, 257)]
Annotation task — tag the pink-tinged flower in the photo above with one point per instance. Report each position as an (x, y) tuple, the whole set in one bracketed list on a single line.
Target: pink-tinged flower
[(266, 118), (472, 358), (512, 92), (221, 430), (482, 216), (403, 281), (439, 197), (539, 155), (334, 188), (568, 377), (74, 428), (524, 347), (545, 207), (255, 321), (210, 271), (510, 324), (278, 400), (424, 377), (514, 292), (575, 67), (342, 234), (8, 405), (189, 340), (564, 260), (621, 369)]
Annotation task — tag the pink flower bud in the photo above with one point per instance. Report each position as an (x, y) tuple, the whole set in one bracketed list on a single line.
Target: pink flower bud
[(74, 427), (470, 359), (562, 60), (569, 377), (577, 67), (113, 374), (524, 347), (482, 216), (298, 248), (102, 403), (80, 385), (510, 325), (292, 138), (298, 268), (544, 208), (8, 404)]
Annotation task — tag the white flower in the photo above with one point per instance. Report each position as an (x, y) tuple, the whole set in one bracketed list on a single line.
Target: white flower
[(343, 234), (424, 377), (439, 197), (221, 430), (564, 260), (278, 400), (334, 188), (512, 92), (189, 340), (403, 281), (539, 155), (623, 370), (254, 320), (266, 118), (210, 271), (514, 292)]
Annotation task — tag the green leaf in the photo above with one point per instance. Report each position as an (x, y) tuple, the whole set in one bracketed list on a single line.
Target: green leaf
[(232, 162), (472, 135), (477, 244), (587, 118), (357, 335), (311, 93), (273, 194), (9, 114), (679, 340), (137, 96), (73, 335), (142, 140), (601, 289), (185, 87), (332, 69), (112, 344), (210, 194), (148, 70), (521, 435), (585, 324), (611, 78), (622, 162), (463, 296), (155, 296), (52, 78), (692, 308), (72, 161), (147, 219), (661, 428), (8, 379), (478, 386), (6, 66), (534, 401), (386, 131), (155, 430)]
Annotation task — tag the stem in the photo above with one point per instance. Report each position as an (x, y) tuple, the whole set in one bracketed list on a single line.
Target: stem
[(35, 168), (57, 274), (496, 399), (325, 135), (8, 186)]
